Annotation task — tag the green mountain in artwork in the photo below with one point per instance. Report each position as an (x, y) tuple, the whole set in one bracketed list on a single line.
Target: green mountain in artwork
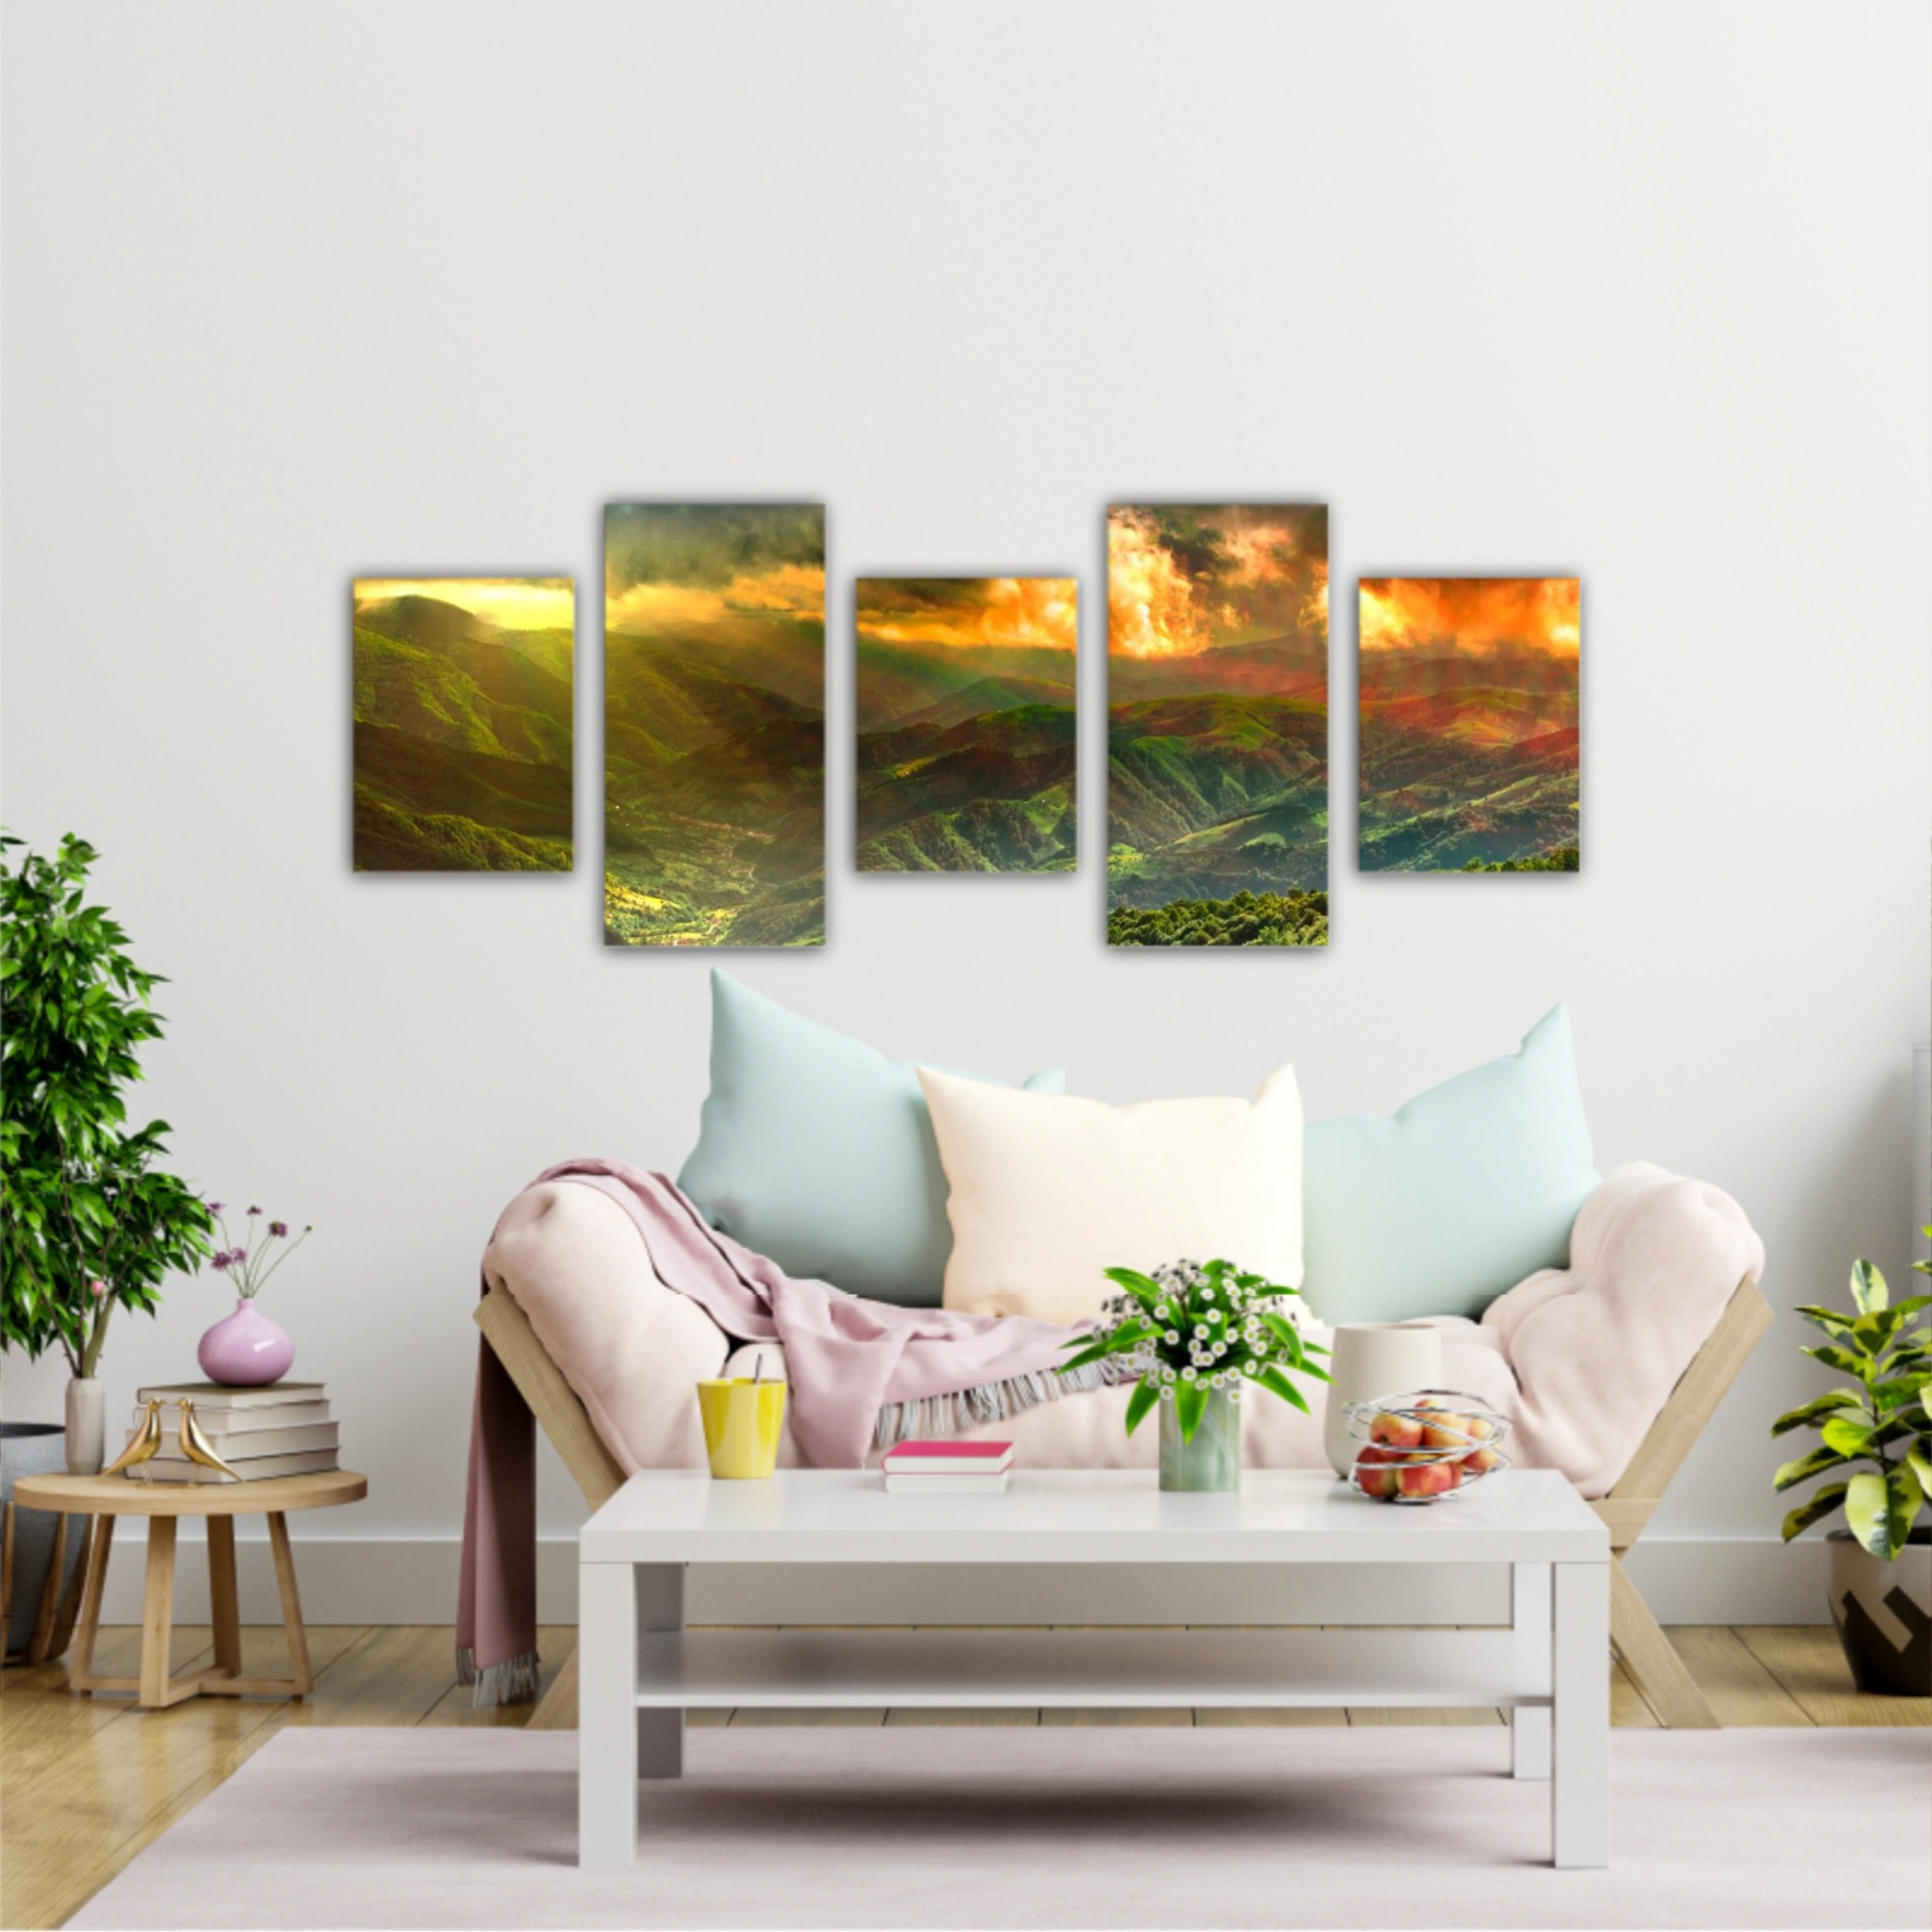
[(1473, 777), (462, 737), (966, 751), (714, 786), (1213, 793)]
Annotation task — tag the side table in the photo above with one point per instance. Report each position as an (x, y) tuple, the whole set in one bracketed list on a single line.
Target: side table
[(164, 1504)]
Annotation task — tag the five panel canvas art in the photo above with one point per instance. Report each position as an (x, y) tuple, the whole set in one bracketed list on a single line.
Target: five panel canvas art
[(966, 718)]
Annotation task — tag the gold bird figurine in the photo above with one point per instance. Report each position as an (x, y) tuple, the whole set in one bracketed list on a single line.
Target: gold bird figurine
[(196, 1447), (143, 1447)]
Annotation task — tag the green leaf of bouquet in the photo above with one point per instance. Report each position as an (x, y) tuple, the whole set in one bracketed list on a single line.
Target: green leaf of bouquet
[(1146, 1393), (1815, 1411), (1831, 1320), (1805, 1467), (1147, 1292), (1272, 1379), (1848, 1437), (1868, 1287), (1190, 1403), (1819, 1504), (1867, 1505), (1081, 1360)]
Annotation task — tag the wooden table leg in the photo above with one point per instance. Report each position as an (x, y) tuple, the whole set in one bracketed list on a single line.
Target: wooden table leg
[(81, 1677), (304, 1680), (224, 1601), (158, 1612)]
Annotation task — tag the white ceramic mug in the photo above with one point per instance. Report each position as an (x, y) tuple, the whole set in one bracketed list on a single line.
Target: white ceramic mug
[(1375, 1358)]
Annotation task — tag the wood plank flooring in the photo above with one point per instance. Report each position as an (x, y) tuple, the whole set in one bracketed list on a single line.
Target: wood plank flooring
[(85, 1783)]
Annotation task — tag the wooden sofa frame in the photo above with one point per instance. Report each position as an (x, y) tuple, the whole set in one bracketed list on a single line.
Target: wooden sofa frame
[(1646, 1653)]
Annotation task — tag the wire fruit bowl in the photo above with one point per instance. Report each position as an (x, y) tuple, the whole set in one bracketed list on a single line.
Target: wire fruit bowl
[(1424, 1446)]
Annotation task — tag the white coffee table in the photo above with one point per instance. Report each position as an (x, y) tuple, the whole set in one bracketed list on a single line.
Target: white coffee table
[(639, 1670)]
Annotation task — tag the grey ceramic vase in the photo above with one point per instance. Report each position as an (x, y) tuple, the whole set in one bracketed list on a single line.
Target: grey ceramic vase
[(32, 1449), (1883, 1612)]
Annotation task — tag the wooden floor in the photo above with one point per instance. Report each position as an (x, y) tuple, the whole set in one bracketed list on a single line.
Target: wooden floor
[(85, 1783)]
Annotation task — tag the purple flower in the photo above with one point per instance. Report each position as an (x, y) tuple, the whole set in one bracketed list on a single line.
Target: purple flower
[(214, 1207), (219, 1264), (238, 1256), (254, 1211), (278, 1229)]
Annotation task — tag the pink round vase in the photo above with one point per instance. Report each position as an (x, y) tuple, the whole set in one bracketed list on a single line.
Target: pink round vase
[(245, 1349)]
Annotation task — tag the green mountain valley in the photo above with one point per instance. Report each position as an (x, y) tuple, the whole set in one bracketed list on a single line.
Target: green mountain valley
[(714, 783), (966, 725), (1471, 773), (1217, 792), (462, 739)]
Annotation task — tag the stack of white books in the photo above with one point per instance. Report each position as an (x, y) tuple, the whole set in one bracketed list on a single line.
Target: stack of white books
[(282, 1430), (947, 1468)]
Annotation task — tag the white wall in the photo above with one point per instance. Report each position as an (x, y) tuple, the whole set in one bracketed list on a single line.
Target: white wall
[(301, 291)]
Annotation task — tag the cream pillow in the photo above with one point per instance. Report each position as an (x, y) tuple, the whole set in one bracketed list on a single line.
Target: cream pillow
[(1047, 1191)]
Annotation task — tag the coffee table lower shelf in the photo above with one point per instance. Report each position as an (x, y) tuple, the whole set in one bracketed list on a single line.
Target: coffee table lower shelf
[(1128, 1669)]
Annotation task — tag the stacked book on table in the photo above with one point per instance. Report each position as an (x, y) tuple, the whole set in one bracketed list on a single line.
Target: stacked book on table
[(947, 1469), (282, 1430)]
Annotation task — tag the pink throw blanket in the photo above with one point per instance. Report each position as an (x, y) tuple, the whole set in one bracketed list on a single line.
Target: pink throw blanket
[(846, 1358)]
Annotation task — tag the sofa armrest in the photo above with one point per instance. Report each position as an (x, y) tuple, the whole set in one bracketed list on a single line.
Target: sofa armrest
[(1597, 1346), (571, 1259)]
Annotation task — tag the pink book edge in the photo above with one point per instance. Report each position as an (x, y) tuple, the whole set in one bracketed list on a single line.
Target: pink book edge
[(944, 1451)]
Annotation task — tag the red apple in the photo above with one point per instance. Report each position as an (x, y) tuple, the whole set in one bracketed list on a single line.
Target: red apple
[(1428, 1478), (1479, 1460), (1397, 1431), (1447, 1431)]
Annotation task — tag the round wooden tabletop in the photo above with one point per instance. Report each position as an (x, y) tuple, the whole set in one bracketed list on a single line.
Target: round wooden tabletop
[(129, 1496)]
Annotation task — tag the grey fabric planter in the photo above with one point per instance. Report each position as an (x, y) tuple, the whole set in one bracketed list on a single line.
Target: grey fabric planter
[(1883, 1612), (32, 1449)]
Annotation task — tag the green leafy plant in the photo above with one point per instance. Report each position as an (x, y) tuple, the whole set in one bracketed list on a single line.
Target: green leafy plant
[(1882, 1423), (89, 1224), (1193, 1327)]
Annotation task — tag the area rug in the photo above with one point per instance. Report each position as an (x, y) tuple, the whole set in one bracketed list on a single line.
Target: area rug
[(1058, 1827)]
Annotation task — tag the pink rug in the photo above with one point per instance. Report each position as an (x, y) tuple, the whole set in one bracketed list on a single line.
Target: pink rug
[(1060, 1827)]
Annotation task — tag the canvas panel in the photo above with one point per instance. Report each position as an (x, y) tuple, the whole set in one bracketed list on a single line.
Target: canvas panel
[(714, 695), (1217, 667)]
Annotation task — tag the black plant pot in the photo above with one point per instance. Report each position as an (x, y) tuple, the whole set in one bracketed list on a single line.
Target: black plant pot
[(1883, 1612)]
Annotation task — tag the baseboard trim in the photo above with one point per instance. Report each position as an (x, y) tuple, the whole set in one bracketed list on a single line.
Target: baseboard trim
[(376, 1579)]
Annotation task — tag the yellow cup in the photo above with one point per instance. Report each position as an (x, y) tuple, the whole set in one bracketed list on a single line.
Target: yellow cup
[(742, 1421)]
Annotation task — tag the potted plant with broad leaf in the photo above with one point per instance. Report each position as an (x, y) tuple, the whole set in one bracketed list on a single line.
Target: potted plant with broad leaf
[(1194, 1337), (1879, 1431), (91, 1224)]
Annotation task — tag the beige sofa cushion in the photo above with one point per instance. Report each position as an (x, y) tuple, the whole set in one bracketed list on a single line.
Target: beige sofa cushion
[(1046, 1191)]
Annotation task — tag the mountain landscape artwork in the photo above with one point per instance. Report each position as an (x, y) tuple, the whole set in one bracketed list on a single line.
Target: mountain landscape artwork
[(462, 724), (714, 695), (1469, 724), (1217, 666), (966, 723)]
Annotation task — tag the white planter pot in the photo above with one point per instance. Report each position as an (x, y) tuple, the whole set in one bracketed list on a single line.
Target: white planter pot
[(1883, 1612), (1374, 1358), (87, 1426)]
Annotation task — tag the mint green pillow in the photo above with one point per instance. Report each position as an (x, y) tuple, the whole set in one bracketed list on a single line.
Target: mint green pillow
[(1439, 1208), (818, 1152)]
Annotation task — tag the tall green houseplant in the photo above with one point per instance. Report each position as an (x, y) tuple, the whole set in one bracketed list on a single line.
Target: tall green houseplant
[(90, 1224)]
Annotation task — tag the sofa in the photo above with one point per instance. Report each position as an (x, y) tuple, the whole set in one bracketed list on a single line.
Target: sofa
[(1608, 1363)]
